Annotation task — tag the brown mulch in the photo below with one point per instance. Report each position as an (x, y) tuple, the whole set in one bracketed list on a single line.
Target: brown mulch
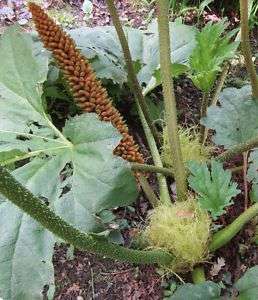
[(92, 277)]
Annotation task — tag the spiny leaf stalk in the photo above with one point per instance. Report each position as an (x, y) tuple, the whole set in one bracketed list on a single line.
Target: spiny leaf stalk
[(169, 99), (87, 90), (38, 210)]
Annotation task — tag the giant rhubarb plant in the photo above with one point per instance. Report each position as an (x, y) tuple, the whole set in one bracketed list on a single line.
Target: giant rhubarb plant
[(87, 90), (76, 175)]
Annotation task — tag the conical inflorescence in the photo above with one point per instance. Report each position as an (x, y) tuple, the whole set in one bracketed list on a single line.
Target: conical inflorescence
[(87, 90)]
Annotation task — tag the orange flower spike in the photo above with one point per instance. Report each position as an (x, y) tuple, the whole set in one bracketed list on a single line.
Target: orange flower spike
[(87, 91)]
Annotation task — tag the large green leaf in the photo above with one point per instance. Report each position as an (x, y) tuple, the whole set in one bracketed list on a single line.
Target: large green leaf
[(102, 45), (100, 180), (23, 121), (211, 51), (203, 291), (235, 120), (214, 187), (183, 41), (74, 171), (21, 71), (26, 247), (25, 256), (247, 285), (182, 44)]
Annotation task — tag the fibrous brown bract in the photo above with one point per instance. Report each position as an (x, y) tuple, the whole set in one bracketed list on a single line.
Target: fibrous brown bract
[(86, 89), (183, 229)]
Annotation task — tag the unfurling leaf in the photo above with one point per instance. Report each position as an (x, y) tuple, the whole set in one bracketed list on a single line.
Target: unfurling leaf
[(211, 51), (214, 187)]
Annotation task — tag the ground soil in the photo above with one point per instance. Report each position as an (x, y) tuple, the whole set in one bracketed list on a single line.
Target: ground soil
[(92, 277)]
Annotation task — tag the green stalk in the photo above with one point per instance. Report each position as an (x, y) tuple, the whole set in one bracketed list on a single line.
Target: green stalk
[(148, 191), (223, 236), (198, 275), (169, 99), (205, 103), (238, 149), (165, 171), (246, 48), (150, 130), (134, 84), (151, 169), (220, 84), (204, 106), (26, 201), (163, 187)]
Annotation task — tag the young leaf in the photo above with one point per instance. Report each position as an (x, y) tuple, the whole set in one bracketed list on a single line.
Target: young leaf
[(235, 120), (211, 51), (247, 285), (207, 290), (214, 187)]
